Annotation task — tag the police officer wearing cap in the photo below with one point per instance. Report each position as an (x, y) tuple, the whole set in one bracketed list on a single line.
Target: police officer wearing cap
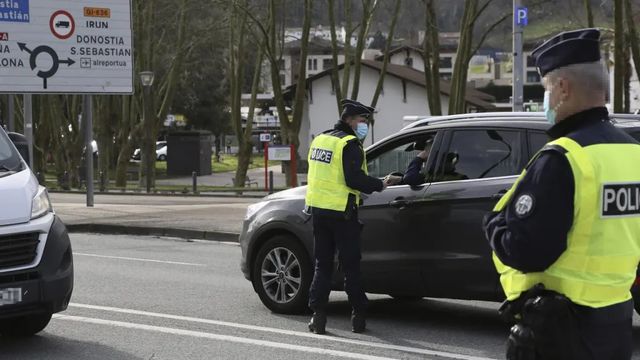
[(337, 175), (566, 237)]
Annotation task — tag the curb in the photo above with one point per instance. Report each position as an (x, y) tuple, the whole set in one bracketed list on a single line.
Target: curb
[(112, 229), (221, 195)]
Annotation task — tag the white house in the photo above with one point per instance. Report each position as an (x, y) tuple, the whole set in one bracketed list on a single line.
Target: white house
[(403, 94)]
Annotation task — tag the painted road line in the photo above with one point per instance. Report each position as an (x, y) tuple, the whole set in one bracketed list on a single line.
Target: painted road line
[(220, 337), (407, 349), (137, 259)]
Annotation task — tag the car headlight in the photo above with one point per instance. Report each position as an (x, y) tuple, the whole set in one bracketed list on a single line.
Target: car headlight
[(254, 208), (41, 204)]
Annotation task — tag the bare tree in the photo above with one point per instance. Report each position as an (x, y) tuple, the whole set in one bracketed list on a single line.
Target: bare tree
[(431, 57), (618, 80), (466, 50), (587, 7), (368, 7), (387, 50)]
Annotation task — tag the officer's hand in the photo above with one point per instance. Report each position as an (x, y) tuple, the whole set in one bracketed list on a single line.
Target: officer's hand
[(391, 180)]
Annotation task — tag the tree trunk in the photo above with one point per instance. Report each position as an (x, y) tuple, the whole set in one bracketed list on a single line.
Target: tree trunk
[(369, 7), (460, 68), (633, 36), (346, 76), (618, 80), (587, 7), (431, 56), (335, 74), (387, 49), (301, 88)]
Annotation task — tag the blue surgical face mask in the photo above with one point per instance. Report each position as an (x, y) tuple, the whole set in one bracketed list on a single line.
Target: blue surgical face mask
[(362, 130), (549, 113)]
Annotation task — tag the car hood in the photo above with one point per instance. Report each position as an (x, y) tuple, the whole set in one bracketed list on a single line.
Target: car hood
[(17, 192), (296, 193)]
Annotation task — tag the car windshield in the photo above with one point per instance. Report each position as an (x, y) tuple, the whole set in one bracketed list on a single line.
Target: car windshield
[(9, 158)]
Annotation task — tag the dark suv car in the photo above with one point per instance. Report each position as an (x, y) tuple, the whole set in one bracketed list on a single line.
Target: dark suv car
[(423, 241)]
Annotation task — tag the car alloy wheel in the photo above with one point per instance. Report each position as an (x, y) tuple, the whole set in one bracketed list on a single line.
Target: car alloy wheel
[(280, 275)]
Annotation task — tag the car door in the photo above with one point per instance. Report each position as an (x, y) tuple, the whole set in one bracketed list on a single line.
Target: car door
[(389, 261), (476, 167)]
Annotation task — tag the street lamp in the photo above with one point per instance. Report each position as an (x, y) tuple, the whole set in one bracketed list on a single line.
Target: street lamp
[(146, 77)]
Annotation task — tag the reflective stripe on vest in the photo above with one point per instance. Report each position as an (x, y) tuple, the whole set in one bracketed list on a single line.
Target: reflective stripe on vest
[(327, 188), (603, 246)]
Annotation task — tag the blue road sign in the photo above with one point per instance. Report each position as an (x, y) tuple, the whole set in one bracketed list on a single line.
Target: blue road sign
[(522, 16), (14, 11)]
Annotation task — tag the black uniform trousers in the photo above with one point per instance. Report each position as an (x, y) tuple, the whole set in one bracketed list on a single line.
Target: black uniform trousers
[(605, 333), (331, 233)]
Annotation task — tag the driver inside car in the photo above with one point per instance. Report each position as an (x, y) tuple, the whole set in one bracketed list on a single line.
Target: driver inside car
[(414, 176)]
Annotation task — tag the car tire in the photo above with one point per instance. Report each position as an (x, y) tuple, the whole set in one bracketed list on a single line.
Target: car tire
[(277, 288), (24, 326), (162, 158)]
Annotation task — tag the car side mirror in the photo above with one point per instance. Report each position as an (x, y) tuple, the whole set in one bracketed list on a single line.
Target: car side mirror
[(21, 143)]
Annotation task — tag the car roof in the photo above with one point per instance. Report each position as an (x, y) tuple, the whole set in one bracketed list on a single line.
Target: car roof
[(522, 120)]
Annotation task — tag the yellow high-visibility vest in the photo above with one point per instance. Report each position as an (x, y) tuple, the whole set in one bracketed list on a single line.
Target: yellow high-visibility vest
[(603, 245), (327, 188)]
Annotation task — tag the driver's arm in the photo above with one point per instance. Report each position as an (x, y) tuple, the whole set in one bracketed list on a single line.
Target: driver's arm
[(414, 176)]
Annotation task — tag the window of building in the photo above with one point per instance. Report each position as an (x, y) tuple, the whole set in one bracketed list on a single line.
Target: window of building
[(479, 154), (408, 61), (446, 62), (533, 77), (283, 80), (531, 61), (312, 64), (327, 64)]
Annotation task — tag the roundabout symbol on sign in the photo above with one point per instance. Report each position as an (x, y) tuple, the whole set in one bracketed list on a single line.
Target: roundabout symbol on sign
[(54, 57), (62, 24)]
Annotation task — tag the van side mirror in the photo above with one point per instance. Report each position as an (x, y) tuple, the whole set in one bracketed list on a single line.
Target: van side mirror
[(21, 143)]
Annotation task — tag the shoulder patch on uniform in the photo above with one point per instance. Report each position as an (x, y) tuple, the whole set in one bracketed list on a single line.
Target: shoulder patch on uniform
[(524, 205)]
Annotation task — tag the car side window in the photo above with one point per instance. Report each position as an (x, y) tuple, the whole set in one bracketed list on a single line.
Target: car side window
[(536, 141), (397, 156), (479, 154)]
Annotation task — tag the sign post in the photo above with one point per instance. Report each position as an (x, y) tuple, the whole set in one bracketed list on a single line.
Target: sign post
[(66, 47), (520, 20), (12, 113), (265, 138), (28, 126), (87, 126)]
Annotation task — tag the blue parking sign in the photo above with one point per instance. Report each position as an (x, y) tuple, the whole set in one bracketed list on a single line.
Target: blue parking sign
[(522, 16)]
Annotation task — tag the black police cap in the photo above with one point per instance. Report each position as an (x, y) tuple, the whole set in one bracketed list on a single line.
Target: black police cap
[(568, 48), (355, 108)]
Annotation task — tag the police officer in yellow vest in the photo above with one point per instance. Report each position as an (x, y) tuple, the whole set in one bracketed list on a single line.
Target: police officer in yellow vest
[(337, 175), (566, 237)]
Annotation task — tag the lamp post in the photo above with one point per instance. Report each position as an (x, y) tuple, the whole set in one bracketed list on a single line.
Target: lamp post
[(148, 158)]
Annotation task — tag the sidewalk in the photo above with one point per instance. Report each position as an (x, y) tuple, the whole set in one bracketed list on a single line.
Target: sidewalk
[(187, 217), (226, 179)]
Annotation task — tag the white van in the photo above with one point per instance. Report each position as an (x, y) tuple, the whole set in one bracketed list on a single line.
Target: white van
[(36, 262)]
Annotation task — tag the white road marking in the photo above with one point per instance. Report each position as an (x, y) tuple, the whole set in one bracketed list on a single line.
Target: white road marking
[(407, 349), (220, 337), (137, 259)]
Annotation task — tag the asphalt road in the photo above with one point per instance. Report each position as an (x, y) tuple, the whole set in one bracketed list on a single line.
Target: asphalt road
[(150, 298)]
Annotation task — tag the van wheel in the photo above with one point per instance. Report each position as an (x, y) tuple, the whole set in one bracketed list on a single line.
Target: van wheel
[(24, 326), (282, 275)]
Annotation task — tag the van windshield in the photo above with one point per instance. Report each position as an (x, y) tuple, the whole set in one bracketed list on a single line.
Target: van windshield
[(9, 158)]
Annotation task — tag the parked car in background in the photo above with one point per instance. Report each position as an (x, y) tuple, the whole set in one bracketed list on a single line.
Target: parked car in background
[(36, 261), (161, 152), (421, 241)]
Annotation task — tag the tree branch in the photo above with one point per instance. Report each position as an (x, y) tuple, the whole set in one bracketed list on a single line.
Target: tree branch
[(489, 30)]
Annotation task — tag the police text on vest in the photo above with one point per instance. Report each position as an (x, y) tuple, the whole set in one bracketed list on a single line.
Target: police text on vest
[(321, 155), (621, 199)]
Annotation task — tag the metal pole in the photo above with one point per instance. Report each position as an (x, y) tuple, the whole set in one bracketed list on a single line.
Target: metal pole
[(270, 182), (12, 112), (194, 179), (518, 59), (87, 119), (150, 144), (28, 125)]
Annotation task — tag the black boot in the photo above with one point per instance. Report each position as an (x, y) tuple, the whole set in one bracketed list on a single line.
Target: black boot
[(318, 322), (358, 322)]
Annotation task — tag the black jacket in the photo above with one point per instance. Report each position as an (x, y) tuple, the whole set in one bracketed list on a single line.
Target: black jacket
[(533, 241)]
